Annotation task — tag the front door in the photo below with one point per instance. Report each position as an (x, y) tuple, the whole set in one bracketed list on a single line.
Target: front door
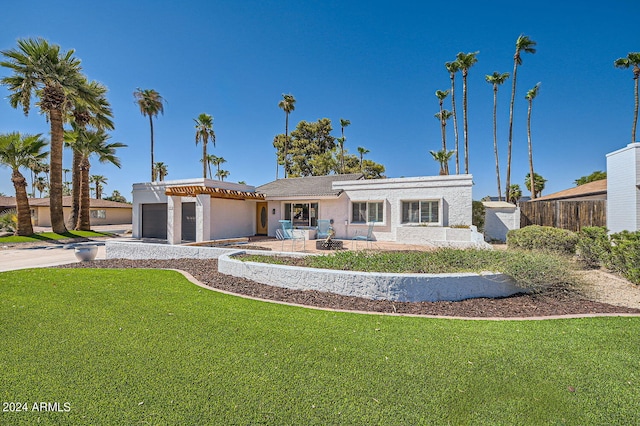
[(262, 219)]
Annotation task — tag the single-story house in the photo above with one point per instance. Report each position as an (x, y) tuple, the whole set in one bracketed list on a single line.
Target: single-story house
[(102, 212), (432, 209), (596, 190)]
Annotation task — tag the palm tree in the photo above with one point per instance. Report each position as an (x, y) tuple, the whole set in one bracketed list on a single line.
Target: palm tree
[(222, 174), (209, 160), (443, 158), (443, 116), (496, 79), (514, 193), (453, 68), (150, 103), (98, 180), (204, 132), (531, 95), (160, 170), (41, 185), (538, 183), (287, 104), (17, 151), (362, 151), (632, 60), (97, 115), (526, 45), (36, 167), (465, 61), (343, 123), (40, 69), (93, 142), (442, 95), (217, 161)]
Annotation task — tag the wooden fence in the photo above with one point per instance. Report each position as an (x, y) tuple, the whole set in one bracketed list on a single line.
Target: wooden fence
[(571, 215)]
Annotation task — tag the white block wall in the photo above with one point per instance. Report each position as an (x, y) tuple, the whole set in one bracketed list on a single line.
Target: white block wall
[(623, 193), (498, 221)]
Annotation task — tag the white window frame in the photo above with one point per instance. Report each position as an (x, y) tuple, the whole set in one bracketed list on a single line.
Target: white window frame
[(420, 206), (367, 212)]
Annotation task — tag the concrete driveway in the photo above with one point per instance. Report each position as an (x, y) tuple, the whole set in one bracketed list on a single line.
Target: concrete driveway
[(38, 256)]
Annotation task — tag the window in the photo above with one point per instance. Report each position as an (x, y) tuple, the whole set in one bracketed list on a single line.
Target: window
[(301, 214), (420, 212), (98, 214), (362, 212)]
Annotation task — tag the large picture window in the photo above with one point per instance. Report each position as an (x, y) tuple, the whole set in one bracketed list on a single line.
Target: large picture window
[(420, 212), (363, 212), (301, 214), (98, 214)]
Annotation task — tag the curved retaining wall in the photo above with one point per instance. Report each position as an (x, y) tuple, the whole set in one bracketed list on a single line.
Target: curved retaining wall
[(377, 286)]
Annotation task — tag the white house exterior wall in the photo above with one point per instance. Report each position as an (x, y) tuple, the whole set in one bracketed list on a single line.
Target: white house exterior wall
[(623, 192), (232, 218)]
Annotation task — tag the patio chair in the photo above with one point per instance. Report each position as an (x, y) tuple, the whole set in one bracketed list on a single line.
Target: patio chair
[(361, 236), (288, 233), (324, 228)]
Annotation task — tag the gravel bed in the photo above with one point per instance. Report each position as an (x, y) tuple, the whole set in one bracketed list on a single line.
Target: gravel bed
[(557, 302)]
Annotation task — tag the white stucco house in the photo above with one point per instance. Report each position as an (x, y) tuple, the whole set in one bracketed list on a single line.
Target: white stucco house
[(417, 210), (623, 189)]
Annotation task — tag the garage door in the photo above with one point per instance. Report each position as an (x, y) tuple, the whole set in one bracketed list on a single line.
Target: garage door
[(154, 221)]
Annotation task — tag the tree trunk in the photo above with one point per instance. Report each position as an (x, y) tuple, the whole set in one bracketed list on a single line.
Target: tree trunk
[(510, 143), (495, 137), (25, 228), (636, 73), (442, 128), (531, 174), (464, 117), (84, 220), (75, 190), (204, 158), (55, 186), (153, 175), (286, 143), (455, 120)]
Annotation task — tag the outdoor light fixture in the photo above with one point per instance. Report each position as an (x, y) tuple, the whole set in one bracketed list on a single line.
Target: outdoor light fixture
[(273, 211)]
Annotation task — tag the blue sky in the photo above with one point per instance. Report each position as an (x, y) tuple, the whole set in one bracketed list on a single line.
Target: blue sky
[(375, 63)]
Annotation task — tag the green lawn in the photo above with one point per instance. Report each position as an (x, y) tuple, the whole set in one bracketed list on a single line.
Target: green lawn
[(147, 347), (52, 236)]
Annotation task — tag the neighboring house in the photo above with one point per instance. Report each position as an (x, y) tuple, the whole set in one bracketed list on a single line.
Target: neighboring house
[(623, 189), (596, 190), (102, 212), (418, 210)]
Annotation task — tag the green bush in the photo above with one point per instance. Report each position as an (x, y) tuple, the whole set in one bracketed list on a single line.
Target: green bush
[(625, 255), (544, 238), (477, 215), (594, 246)]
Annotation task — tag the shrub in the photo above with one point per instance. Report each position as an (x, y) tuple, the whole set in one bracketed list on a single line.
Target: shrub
[(625, 255), (593, 247), (544, 238), (9, 221), (477, 215)]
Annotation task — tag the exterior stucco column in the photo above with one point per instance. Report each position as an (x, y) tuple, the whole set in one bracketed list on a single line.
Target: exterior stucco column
[(174, 220), (203, 217)]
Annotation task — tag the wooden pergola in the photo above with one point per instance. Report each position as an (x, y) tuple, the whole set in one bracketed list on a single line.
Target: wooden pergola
[(193, 190)]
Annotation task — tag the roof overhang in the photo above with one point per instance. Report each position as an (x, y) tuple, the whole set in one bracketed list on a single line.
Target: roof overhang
[(193, 190)]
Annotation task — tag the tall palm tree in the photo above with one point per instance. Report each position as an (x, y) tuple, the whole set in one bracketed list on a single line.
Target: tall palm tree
[(97, 115), (442, 95), (41, 185), (98, 180), (222, 174), (161, 170), (531, 95), (217, 161), (443, 116), (538, 184), (343, 123), (496, 79), (632, 60), (204, 133), (93, 142), (453, 67), (526, 45), (151, 104), (35, 167), (465, 61), (40, 69), (17, 151), (287, 104), (443, 158), (362, 151), (514, 193), (209, 160)]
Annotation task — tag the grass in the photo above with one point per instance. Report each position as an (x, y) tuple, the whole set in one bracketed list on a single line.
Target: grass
[(533, 270), (147, 347), (52, 236)]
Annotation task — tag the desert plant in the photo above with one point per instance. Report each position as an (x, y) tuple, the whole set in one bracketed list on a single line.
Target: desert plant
[(625, 255), (593, 247), (544, 238), (9, 221)]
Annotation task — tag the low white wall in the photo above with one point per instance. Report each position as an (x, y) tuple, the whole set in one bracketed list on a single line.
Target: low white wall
[(439, 236), (376, 286), (140, 250)]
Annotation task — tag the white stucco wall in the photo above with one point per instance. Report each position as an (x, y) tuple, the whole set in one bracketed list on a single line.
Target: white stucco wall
[(623, 192), (500, 220), (232, 218)]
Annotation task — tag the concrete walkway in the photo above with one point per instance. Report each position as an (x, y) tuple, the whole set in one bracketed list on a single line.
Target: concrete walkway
[(42, 256)]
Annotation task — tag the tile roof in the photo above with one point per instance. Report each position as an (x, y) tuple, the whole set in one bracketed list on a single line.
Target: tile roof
[(598, 187), (66, 202), (310, 186)]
